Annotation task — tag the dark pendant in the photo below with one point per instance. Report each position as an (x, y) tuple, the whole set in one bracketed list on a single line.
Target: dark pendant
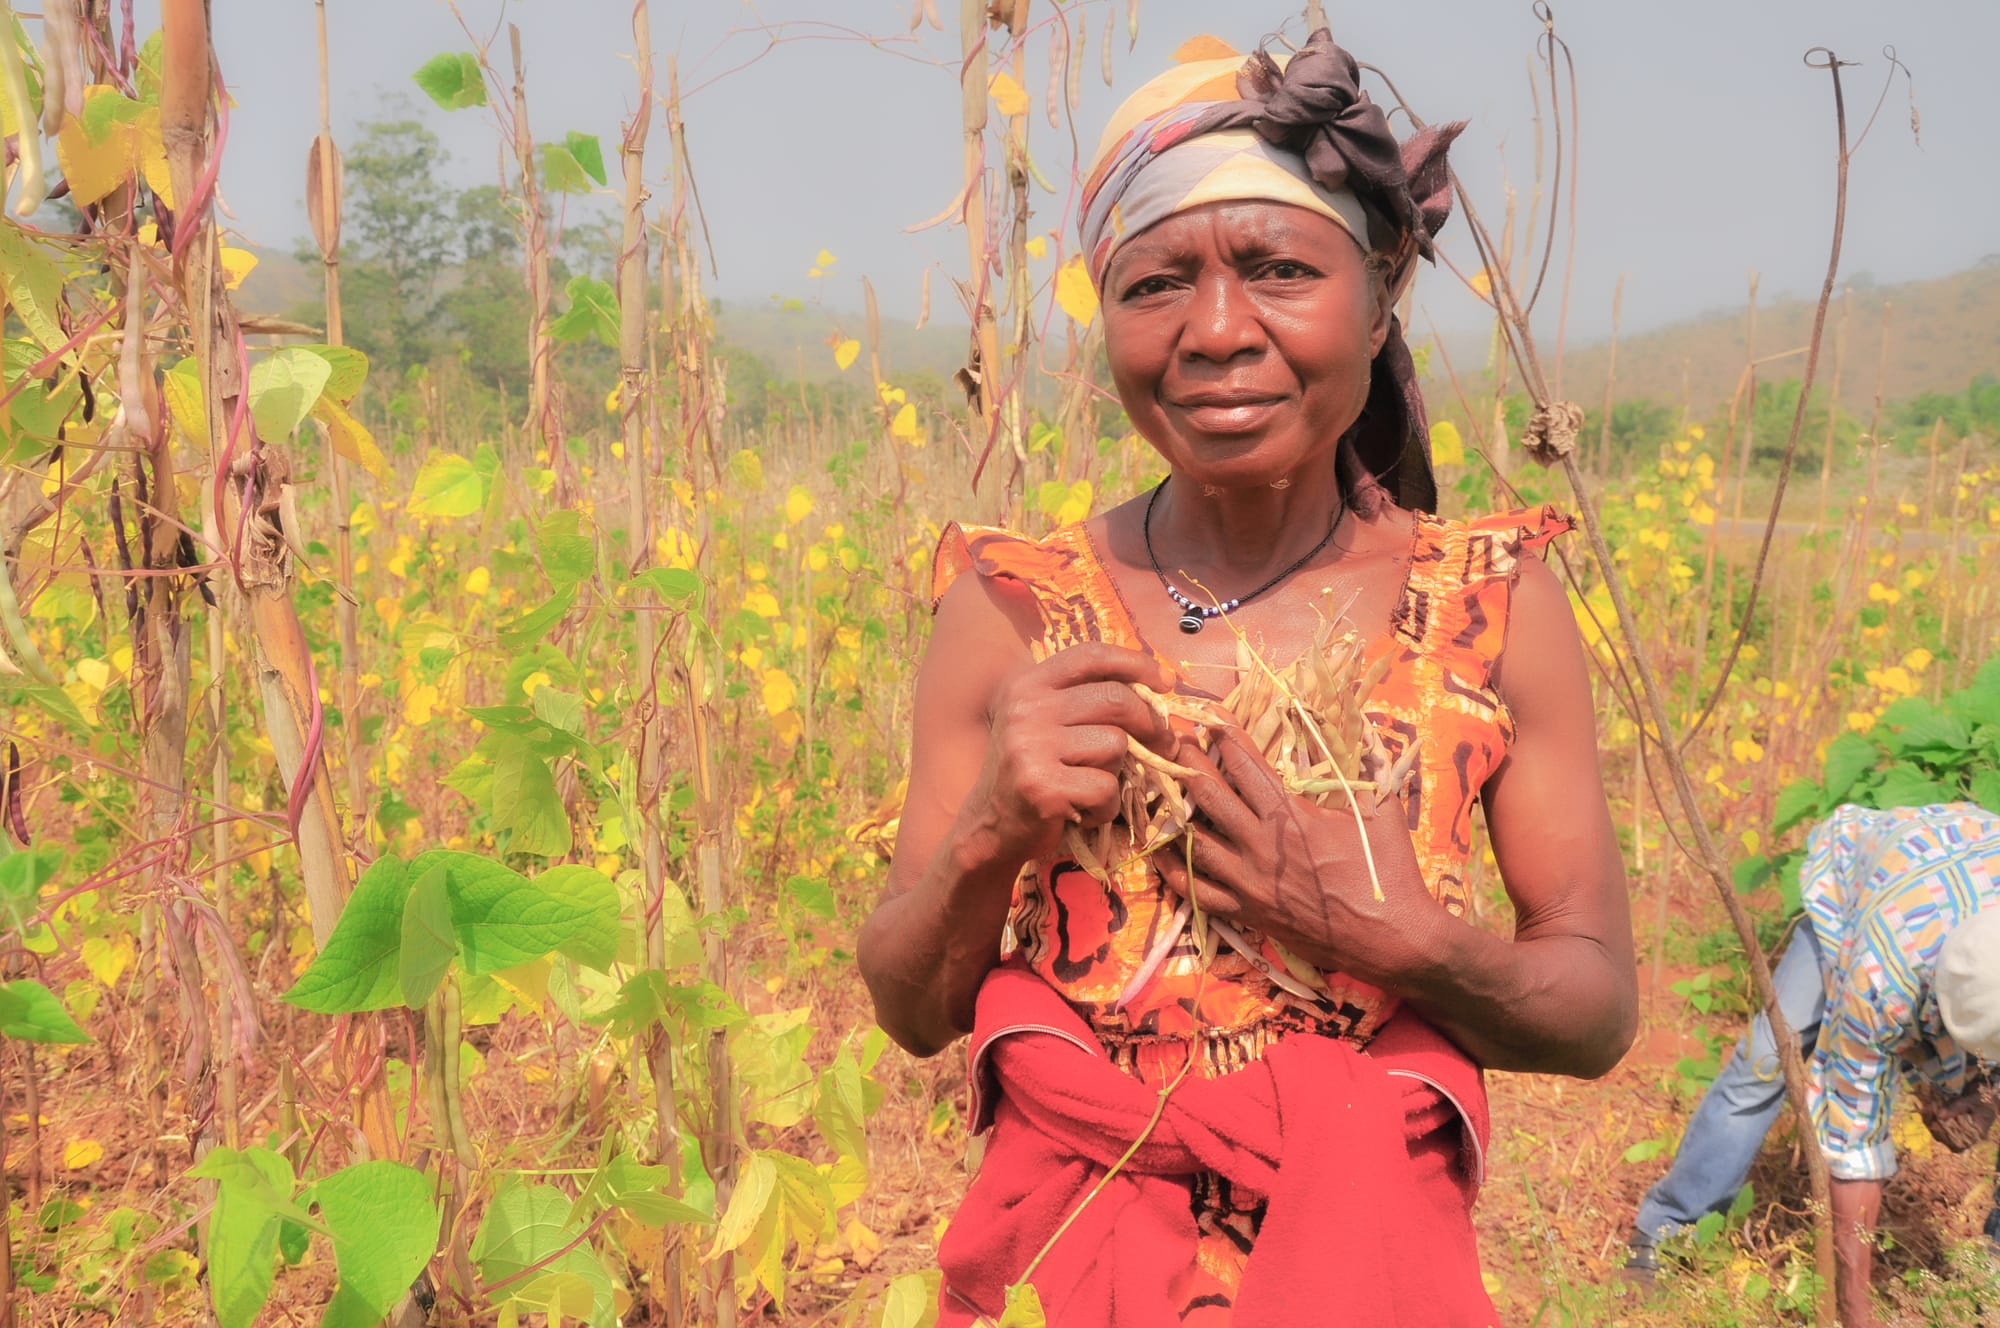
[(1191, 623)]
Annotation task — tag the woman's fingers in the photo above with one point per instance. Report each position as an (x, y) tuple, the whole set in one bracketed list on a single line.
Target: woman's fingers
[(1101, 746), (1114, 703), (1246, 770), (1209, 896), (1213, 795)]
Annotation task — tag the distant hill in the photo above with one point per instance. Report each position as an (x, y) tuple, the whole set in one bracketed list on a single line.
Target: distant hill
[(1942, 334)]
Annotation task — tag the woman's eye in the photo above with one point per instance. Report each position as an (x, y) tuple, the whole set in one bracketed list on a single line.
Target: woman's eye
[(1145, 286), (1287, 270)]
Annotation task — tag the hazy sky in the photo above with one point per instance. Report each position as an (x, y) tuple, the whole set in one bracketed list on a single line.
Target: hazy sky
[(1707, 146)]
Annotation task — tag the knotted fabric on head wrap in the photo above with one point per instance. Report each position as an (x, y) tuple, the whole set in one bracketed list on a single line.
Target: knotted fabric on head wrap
[(1298, 131)]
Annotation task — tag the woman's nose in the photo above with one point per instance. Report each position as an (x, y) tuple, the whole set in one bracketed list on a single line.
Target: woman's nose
[(1222, 321)]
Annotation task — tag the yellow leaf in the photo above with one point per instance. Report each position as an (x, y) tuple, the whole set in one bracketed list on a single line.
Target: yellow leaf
[(825, 258), (93, 170), (107, 958), (95, 672), (816, 558), (798, 504), (844, 353), (1037, 247), (477, 580), (762, 603), (1074, 291), (905, 423), (419, 704), (1482, 284), (1008, 95), (350, 437), (1076, 506), (81, 1153), (779, 692), (236, 265), (152, 149), (534, 682), (1447, 448), (864, 1245)]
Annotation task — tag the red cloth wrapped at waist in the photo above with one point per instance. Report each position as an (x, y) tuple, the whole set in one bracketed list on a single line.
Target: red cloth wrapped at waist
[(1369, 1177)]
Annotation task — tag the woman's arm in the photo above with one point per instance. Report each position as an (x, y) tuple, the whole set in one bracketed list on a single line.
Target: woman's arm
[(1005, 754), (1562, 995)]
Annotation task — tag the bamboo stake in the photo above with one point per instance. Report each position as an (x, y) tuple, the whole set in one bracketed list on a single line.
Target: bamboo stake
[(636, 402), (323, 198), (711, 813), (1833, 403), (541, 424), (982, 375)]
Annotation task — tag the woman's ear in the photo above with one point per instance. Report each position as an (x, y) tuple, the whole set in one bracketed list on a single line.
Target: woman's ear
[(1381, 304)]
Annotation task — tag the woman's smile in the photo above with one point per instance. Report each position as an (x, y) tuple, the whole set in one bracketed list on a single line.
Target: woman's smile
[(1227, 413)]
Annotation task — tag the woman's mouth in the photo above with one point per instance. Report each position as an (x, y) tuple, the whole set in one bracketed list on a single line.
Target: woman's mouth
[(1227, 413)]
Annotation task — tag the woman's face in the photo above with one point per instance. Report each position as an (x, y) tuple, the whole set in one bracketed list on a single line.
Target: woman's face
[(1240, 336)]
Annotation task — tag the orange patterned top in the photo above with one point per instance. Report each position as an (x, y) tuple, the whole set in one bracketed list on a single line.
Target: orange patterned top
[(1089, 939)]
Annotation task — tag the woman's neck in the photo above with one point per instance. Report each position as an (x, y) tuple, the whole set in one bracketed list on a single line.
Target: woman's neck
[(1232, 539)]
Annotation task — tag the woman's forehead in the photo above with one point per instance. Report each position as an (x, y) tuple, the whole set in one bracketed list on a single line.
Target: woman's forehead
[(1237, 224)]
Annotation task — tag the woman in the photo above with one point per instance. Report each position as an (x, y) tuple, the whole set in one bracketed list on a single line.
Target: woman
[(1249, 227)]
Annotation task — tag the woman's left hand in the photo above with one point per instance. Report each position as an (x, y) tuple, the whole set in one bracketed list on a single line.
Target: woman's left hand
[(1296, 871)]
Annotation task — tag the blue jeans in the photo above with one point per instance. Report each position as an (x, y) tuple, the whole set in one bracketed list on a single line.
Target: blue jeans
[(1729, 1126)]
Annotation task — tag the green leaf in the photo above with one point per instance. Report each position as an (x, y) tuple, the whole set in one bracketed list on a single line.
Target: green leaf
[(526, 804), (1986, 789), (1644, 1151), (24, 873), (677, 587), (348, 366), (359, 968), (568, 555), (911, 1301), (525, 1226), (33, 281), (1796, 801), (592, 312), (531, 626), (385, 1227), (293, 1242), (104, 110), (428, 941), (596, 944), (640, 1190), (447, 485), (756, 1190), (1848, 757), (284, 387), (501, 918), (253, 1197), (1740, 1206), (588, 154), (31, 1013), (1904, 785), (1751, 873), (558, 709), (453, 80), (55, 703), (562, 173), (1921, 728), (838, 1110), (812, 894)]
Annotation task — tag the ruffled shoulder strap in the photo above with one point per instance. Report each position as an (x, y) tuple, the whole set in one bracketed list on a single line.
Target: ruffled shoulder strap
[(1461, 584), (1076, 596)]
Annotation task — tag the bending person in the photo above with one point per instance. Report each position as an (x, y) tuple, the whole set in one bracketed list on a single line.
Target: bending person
[(1894, 972)]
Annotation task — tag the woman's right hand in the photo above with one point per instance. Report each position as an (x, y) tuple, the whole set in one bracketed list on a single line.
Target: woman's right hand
[(1059, 730)]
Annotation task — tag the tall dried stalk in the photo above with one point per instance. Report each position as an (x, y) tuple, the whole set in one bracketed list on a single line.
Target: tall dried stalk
[(535, 244), (1553, 439), (981, 377), (636, 403), (323, 199), (700, 409)]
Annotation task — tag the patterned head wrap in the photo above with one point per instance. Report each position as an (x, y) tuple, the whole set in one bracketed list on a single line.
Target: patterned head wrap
[(1298, 131)]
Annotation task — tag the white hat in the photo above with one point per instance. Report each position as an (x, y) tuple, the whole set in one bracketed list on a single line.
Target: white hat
[(1968, 982)]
